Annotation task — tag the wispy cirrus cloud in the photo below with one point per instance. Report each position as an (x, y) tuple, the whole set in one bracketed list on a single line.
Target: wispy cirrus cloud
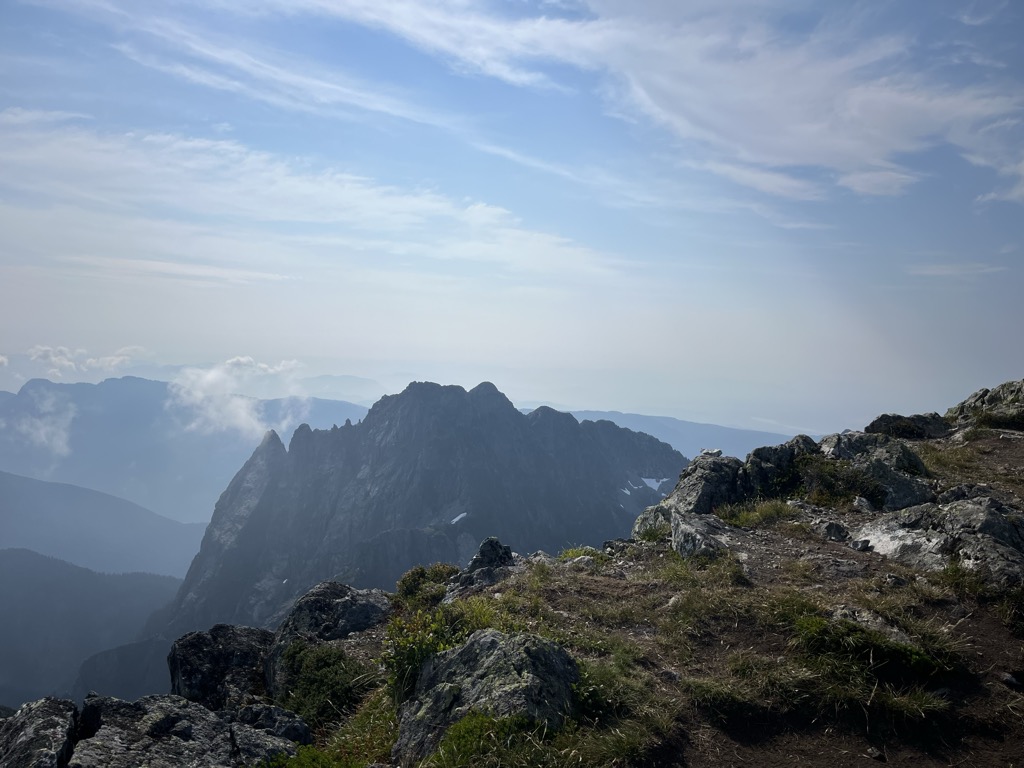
[(139, 203), (20, 116), (739, 93), (841, 98), (964, 269)]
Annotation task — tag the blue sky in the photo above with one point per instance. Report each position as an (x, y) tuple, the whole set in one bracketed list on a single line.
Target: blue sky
[(782, 214)]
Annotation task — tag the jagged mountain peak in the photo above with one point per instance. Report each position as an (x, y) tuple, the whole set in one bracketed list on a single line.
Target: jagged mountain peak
[(422, 478)]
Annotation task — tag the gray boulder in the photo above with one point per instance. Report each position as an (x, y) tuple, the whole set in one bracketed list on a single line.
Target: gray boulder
[(897, 469), (980, 533), (706, 483), (494, 673), (221, 668), (773, 470), (167, 732), (1002, 406), (926, 426), (275, 721), (492, 554), (492, 563), (329, 611), (39, 735), (698, 535)]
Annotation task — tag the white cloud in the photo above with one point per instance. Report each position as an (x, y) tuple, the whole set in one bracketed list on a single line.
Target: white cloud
[(62, 360), (49, 425), (19, 116), (109, 188), (210, 401), (881, 182), (980, 13), (3, 360), (725, 82), (766, 180), (966, 269)]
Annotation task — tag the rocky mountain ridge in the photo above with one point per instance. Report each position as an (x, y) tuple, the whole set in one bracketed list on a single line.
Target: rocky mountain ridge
[(422, 478), (854, 600)]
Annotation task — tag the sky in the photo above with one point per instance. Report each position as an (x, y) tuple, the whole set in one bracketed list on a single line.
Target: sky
[(778, 214)]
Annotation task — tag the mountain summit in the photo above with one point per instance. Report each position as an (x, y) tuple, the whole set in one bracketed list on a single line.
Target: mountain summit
[(423, 477)]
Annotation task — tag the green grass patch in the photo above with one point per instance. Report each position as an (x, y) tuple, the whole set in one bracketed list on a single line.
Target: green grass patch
[(412, 638), (571, 553), (756, 514), (655, 533), (327, 684), (424, 587)]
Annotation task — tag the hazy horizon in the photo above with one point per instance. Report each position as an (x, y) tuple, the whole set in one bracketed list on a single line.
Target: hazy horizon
[(784, 215)]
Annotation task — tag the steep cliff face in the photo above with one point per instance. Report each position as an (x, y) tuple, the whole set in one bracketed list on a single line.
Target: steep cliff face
[(424, 477)]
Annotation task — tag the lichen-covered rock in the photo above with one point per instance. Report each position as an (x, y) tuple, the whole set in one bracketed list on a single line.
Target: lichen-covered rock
[(221, 668), (492, 563), (492, 554), (1002, 406), (698, 535), (773, 470), (167, 732), (329, 611), (494, 673), (980, 533), (275, 721), (897, 469), (708, 482), (39, 735)]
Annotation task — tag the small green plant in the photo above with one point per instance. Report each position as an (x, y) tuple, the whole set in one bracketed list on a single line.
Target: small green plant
[(756, 514), (1012, 420), (424, 587), (326, 683), (480, 737), (571, 553), (412, 639), (835, 482), (306, 757), (655, 533)]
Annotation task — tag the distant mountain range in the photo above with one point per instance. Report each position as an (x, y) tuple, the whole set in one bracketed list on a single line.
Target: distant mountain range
[(174, 451), (92, 529), (169, 450), (56, 614), (690, 437)]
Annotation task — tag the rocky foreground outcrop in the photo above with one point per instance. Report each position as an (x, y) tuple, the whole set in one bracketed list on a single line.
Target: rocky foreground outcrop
[(155, 731), (903, 515)]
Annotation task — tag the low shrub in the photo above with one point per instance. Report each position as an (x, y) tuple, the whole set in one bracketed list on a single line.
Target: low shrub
[(411, 639), (835, 482), (756, 514), (424, 587), (327, 683)]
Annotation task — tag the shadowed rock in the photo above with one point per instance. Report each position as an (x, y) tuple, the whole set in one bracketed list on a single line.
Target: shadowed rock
[(167, 732), (493, 673), (221, 668), (330, 611), (39, 735), (927, 426)]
